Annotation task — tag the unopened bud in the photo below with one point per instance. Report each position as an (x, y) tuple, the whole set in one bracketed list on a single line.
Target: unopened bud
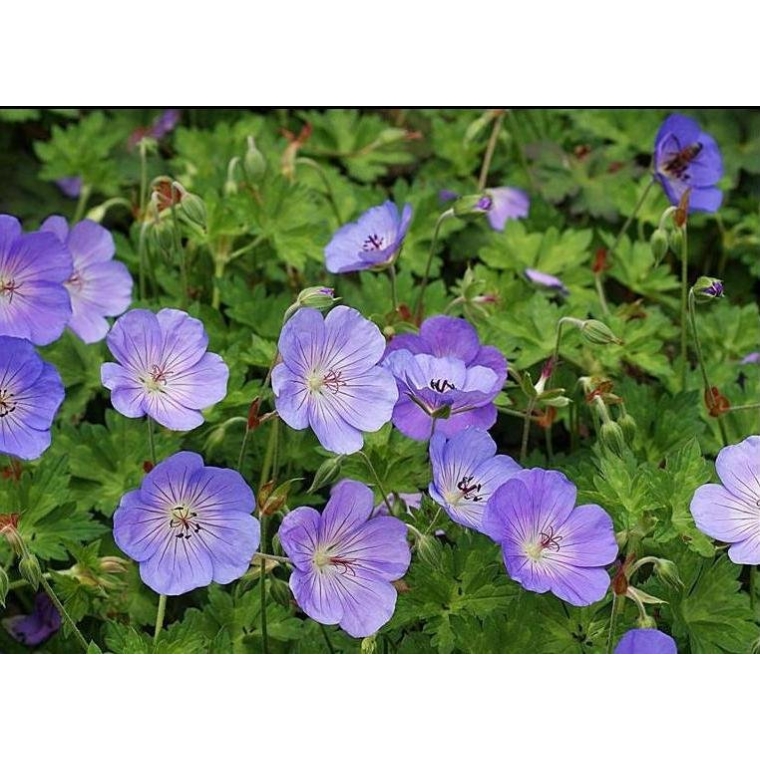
[(429, 550), (472, 205), (280, 591), (326, 473), (317, 297), (707, 289), (646, 621), (667, 571), (30, 571), (612, 437), (628, 426), (254, 420), (194, 209), (9, 531), (675, 241), (254, 163), (275, 499), (114, 564), (597, 332), (660, 244), (369, 644), (4, 586)]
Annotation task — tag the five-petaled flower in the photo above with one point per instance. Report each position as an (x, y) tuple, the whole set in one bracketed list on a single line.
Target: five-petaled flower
[(444, 377), (466, 471), (646, 641), (99, 287), (34, 303), (686, 158), (374, 240), (188, 525), (30, 393), (163, 368), (345, 559), (731, 512), (547, 543), (329, 379)]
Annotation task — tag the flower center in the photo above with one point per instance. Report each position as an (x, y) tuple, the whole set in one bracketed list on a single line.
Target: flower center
[(331, 380), (373, 243), (548, 540), (324, 559), (184, 521), (156, 380), (440, 386), (75, 282), (7, 405), (8, 287), (679, 163), (468, 490)]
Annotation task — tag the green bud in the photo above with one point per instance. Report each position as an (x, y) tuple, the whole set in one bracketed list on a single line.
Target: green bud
[(667, 571), (628, 426), (317, 297), (612, 437), (389, 136), (597, 332), (707, 289), (660, 244), (429, 550), (676, 241), (646, 621), (254, 163), (369, 644), (4, 586), (194, 209), (327, 472), (472, 205), (161, 236), (30, 571), (280, 591)]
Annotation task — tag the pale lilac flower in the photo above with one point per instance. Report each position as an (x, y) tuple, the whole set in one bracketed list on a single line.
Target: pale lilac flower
[(685, 157), (731, 512), (38, 626), (646, 641), (444, 376), (547, 281), (99, 287), (345, 559), (753, 358), (329, 379), (374, 240), (466, 471), (507, 203), (549, 544), (71, 187), (188, 525), (163, 368), (34, 303), (30, 393)]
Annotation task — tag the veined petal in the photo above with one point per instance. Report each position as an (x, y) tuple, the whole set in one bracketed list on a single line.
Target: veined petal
[(184, 340), (291, 397), (723, 515), (738, 467)]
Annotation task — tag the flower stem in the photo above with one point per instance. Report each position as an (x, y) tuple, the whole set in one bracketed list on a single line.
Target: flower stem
[(263, 588), (151, 442), (418, 305), (684, 305), (243, 445), (330, 648), (160, 613), (275, 558), (84, 196), (618, 601), (378, 482), (180, 252), (62, 611), (394, 296), (526, 430), (487, 158)]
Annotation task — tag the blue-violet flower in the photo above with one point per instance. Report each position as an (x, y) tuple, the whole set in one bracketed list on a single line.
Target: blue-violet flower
[(38, 626), (646, 641), (507, 203)]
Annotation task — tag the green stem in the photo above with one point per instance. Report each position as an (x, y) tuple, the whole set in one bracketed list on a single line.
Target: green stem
[(216, 294), (266, 467), (377, 480), (160, 614), (275, 558), (684, 305), (321, 172), (263, 587), (243, 446), (143, 177), (487, 158), (180, 252), (632, 216), (327, 639), (753, 587), (142, 262), (599, 284), (392, 278), (418, 305), (742, 408), (526, 430), (62, 611), (84, 196), (152, 442), (618, 601)]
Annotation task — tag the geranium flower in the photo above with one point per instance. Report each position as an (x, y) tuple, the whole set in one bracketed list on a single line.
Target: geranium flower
[(329, 379), (188, 525), (506, 203), (444, 375), (163, 368), (547, 281), (71, 187), (686, 158), (99, 287), (34, 303), (374, 240), (547, 543), (466, 471), (344, 560), (30, 393), (646, 641), (38, 626), (731, 512)]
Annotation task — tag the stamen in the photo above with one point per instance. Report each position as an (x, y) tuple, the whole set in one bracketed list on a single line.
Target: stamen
[(373, 243), (8, 288), (469, 489), (550, 540), (6, 405), (183, 518), (441, 385), (333, 381)]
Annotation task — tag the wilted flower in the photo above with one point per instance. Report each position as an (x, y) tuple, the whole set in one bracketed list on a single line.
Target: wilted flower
[(547, 543), (30, 393), (163, 368), (646, 641), (188, 525), (444, 374), (466, 471), (345, 559), (507, 203), (329, 379), (34, 303), (36, 627), (686, 158), (547, 281), (731, 512), (99, 287), (374, 240)]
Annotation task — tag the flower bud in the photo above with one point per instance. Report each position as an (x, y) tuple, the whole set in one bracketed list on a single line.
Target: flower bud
[(597, 332), (194, 209), (254, 163), (660, 244), (114, 564), (4, 586), (369, 644), (612, 437), (675, 241), (280, 591), (628, 426), (327, 472), (30, 571), (317, 297), (667, 571), (276, 499), (472, 205), (9, 530), (646, 621), (429, 550), (707, 289)]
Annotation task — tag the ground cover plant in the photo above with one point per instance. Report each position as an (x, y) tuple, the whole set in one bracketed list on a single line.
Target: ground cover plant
[(379, 380)]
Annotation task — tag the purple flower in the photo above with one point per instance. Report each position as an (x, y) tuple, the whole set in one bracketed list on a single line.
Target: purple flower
[(71, 187), (30, 393), (36, 627), (99, 287), (329, 379), (646, 641), (731, 512), (188, 525), (466, 471), (547, 281), (34, 303), (164, 123), (508, 203), (345, 559), (444, 371), (373, 240), (685, 157), (753, 358), (547, 543), (163, 368)]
